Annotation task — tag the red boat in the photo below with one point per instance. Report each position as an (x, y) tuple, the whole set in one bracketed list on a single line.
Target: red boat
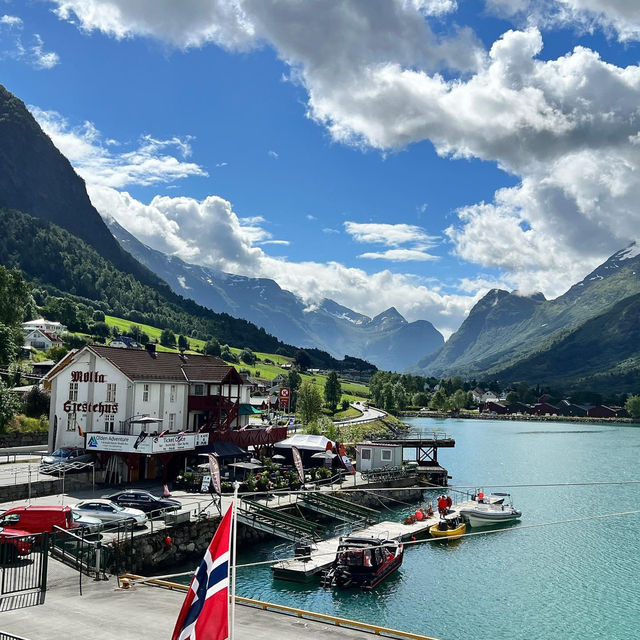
[(364, 562)]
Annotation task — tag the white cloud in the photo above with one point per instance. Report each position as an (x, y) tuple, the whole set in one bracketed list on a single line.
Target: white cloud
[(14, 45), (273, 154), (621, 17), (210, 233), (393, 235), (147, 163), (398, 255)]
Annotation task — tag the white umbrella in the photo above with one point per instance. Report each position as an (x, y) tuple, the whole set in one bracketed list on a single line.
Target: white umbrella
[(324, 455), (278, 457)]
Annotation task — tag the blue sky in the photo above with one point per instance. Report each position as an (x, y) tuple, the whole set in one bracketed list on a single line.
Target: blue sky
[(412, 153)]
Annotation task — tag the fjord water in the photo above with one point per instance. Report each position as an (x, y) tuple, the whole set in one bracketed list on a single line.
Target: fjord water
[(571, 580)]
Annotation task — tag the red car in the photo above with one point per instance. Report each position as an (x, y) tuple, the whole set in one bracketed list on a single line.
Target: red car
[(14, 543)]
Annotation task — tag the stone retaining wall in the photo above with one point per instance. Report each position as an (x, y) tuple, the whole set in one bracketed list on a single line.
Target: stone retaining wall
[(51, 487), (178, 545), (11, 440)]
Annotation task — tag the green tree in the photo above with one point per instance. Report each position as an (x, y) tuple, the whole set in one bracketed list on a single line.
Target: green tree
[(9, 406), (420, 399), (167, 338), (11, 339), (632, 405), (136, 332), (399, 396), (332, 390), (302, 359), (100, 329), (248, 356), (35, 402), (98, 316), (183, 343), (440, 401), (293, 381), (388, 398), (212, 347), (309, 403), (512, 397), (227, 355), (15, 295), (458, 400)]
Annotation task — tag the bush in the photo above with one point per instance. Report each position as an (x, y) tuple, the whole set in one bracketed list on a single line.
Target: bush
[(36, 402), (23, 424)]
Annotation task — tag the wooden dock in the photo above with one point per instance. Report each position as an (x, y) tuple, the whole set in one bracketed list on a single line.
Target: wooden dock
[(323, 553)]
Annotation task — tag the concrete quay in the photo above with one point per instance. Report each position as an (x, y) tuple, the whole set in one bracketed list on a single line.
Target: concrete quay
[(106, 612)]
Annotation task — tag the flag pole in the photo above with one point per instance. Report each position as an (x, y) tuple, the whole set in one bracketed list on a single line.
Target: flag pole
[(234, 528)]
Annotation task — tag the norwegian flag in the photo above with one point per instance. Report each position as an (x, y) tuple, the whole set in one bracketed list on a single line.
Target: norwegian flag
[(205, 611)]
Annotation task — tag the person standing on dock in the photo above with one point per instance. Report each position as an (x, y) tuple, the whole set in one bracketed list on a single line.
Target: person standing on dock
[(442, 505), (449, 502)]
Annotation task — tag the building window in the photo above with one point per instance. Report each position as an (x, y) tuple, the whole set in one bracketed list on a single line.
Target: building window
[(109, 422), (73, 391), (366, 454), (386, 455), (198, 390), (145, 393), (172, 393), (111, 392), (71, 421), (172, 421)]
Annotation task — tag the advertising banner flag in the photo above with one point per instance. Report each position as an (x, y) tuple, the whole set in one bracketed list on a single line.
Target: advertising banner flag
[(297, 460), (214, 470)]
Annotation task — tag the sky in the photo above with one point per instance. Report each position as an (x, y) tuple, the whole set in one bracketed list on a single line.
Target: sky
[(407, 153)]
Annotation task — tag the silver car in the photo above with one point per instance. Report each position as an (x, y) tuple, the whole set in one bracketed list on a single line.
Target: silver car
[(108, 511)]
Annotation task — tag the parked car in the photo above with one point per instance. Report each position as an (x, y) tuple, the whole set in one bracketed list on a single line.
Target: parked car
[(64, 455), (14, 543), (144, 501), (41, 518), (108, 511)]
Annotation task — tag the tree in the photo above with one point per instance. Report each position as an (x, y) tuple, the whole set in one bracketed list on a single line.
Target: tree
[(512, 397), (11, 339), (458, 400), (302, 359), (9, 406), (15, 295), (420, 399), (98, 316), (632, 405), (309, 404), (440, 400), (167, 338), (332, 390), (100, 329), (212, 347), (399, 396), (136, 332), (248, 356), (36, 402), (227, 355), (183, 343)]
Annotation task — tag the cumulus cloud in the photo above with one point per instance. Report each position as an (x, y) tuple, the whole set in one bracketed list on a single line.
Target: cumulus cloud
[(95, 159), (393, 235), (210, 233), (29, 49)]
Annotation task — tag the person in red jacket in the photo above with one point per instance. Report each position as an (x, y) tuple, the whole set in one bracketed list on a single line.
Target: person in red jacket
[(449, 502), (442, 505)]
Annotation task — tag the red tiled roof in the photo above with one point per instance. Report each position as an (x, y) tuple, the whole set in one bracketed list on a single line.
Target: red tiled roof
[(141, 365)]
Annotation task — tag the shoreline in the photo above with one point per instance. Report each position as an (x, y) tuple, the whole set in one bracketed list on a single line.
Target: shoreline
[(516, 417)]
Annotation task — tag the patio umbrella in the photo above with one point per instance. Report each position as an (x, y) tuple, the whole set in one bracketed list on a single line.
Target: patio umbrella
[(324, 455), (255, 461), (145, 420), (278, 457)]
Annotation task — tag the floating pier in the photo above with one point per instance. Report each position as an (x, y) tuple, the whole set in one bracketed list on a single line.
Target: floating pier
[(323, 553)]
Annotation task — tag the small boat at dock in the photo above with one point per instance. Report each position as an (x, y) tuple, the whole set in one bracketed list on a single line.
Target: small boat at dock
[(487, 514), (363, 562), (450, 527)]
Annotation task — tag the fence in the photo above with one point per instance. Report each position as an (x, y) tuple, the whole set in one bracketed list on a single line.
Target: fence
[(23, 570)]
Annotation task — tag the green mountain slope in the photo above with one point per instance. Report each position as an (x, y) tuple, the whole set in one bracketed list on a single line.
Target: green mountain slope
[(504, 328), (603, 353)]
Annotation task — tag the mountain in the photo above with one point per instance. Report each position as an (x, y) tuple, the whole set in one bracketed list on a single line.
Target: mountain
[(388, 340), (505, 330), (37, 179), (50, 230)]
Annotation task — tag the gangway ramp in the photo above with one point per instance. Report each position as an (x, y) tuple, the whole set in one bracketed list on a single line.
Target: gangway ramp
[(278, 523), (338, 508)]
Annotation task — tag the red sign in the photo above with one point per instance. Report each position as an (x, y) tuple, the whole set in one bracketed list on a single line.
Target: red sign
[(284, 396)]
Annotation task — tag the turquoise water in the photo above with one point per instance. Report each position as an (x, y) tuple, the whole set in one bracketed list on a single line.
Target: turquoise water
[(574, 580)]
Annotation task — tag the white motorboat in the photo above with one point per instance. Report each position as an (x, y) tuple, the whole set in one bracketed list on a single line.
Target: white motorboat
[(487, 514)]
